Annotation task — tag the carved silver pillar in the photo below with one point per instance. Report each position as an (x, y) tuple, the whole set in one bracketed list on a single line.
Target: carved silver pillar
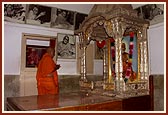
[(143, 70), (145, 60), (141, 61), (83, 57), (120, 85), (105, 65), (146, 67), (118, 30), (145, 45), (83, 64)]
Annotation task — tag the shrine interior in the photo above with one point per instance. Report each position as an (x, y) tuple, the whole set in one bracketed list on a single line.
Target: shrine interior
[(115, 61)]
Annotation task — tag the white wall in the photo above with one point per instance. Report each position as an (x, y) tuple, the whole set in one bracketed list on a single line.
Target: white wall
[(98, 67), (156, 48), (12, 45)]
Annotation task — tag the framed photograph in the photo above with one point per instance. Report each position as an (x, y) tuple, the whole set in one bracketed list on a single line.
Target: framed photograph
[(15, 13), (66, 47), (34, 54), (151, 12), (39, 15), (79, 19), (62, 19)]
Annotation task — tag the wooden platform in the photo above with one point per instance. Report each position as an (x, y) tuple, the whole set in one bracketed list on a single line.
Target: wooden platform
[(78, 102)]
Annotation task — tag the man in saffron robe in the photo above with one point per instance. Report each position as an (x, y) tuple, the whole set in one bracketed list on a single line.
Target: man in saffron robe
[(47, 77)]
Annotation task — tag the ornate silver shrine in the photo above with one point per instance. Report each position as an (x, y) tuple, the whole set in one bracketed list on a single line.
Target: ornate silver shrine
[(107, 21)]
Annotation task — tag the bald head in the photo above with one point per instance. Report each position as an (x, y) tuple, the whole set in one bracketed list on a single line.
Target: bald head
[(51, 51)]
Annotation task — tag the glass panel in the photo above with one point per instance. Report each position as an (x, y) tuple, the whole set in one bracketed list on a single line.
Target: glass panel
[(34, 51), (130, 58)]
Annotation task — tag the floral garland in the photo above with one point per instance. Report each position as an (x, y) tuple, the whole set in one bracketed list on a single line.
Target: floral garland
[(100, 44), (112, 41), (129, 68)]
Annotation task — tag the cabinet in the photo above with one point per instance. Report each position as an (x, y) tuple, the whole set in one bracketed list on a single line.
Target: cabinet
[(140, 103)]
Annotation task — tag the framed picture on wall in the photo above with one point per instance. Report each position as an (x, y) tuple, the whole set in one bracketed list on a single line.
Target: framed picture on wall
[(79, 18), (66, 47), (62, 19), (38, 15), (15, 13), (151, 12), (34, 54)]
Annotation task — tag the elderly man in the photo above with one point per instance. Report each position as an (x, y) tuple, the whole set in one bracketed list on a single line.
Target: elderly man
[(47, 77), (65, 49)]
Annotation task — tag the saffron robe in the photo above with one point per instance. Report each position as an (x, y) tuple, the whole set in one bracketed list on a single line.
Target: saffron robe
[(47, 84)]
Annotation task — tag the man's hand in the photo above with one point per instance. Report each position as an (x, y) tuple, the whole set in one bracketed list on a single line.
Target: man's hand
[(58, 66)]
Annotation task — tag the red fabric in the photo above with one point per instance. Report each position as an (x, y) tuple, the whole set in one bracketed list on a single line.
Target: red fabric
[(52, 43), (46, 84)]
